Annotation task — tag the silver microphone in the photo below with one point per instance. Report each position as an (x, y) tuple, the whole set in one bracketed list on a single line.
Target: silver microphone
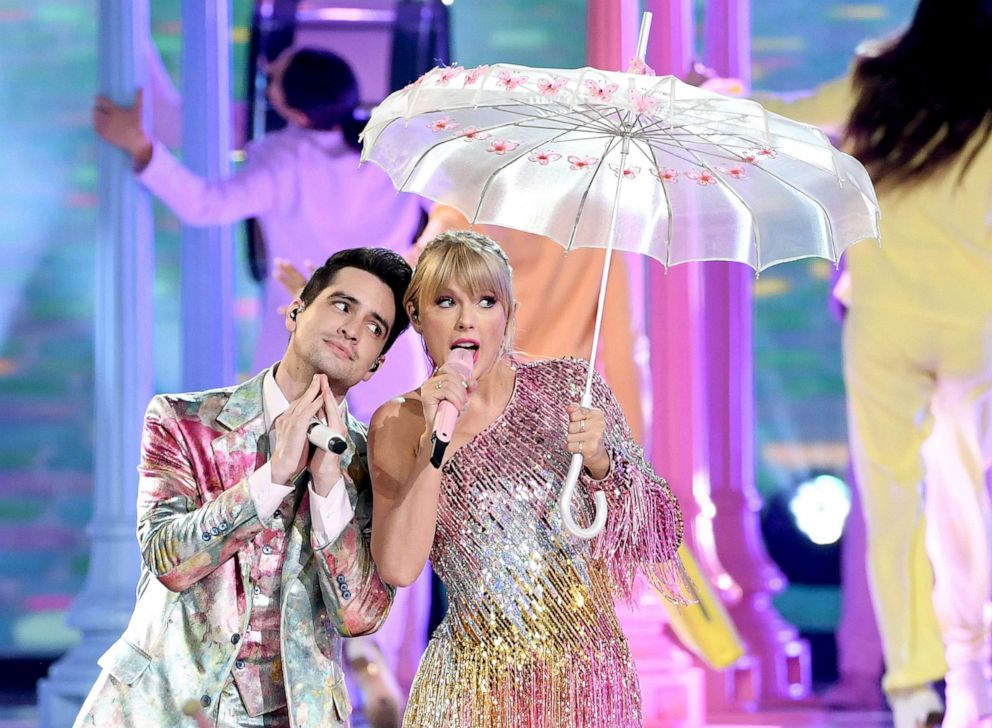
[(325, 438)]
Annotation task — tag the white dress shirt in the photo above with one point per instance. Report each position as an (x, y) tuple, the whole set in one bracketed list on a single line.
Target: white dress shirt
[(329, 514)]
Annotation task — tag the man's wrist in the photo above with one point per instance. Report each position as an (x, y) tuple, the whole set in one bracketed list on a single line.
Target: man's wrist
[(324, 482)]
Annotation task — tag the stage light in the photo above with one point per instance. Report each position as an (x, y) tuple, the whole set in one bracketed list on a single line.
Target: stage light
[(820, 507)]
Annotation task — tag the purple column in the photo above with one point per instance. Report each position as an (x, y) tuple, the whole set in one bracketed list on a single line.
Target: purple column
[(727, 330)]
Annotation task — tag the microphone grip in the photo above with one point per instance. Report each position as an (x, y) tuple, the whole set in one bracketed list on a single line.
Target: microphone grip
[(325, 438), (447, 414), (438, 446)]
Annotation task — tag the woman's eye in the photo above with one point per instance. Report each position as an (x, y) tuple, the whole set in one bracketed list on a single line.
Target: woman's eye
[(445, 302), (488, 301)]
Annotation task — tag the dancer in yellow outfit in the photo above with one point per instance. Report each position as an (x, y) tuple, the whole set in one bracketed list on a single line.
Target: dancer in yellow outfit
[(918, 348)]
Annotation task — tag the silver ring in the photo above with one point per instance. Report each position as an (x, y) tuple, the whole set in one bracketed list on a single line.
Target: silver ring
[(582, 425), (580, 447), (438, 385)]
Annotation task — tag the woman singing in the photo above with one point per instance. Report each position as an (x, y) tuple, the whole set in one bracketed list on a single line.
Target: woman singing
[(531, 638)]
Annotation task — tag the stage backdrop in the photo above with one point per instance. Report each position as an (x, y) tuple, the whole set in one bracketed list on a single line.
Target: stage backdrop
[(47, 219)]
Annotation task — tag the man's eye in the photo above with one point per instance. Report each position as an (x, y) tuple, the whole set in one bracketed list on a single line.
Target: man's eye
[(341, 306), (376, 330), (488, 301)]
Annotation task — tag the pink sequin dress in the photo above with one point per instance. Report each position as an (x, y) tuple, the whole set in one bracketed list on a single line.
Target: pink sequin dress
[(531, 638)]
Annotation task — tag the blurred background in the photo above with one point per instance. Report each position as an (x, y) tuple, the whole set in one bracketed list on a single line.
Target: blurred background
[(48, 178)]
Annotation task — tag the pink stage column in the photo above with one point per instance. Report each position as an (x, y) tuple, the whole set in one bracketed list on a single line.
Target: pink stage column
[(672, 687), (727, 328), (678, 354)]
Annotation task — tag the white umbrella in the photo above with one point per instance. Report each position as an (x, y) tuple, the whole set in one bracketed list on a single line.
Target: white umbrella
[(626, 161)]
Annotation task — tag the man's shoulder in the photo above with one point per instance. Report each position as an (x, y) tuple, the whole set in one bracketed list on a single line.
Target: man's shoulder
[(202, 406), (206, 405)]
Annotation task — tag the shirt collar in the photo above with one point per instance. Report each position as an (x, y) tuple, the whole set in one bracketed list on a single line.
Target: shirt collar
[(274, 402)]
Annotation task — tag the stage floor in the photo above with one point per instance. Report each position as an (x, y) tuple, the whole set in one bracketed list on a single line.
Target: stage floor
[(27, 718)]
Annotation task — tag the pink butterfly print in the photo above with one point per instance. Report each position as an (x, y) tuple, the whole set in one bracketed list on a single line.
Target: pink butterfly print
[(767, 152), (703, 177), (601, 92), (510, 81), (666, 175), (544, 157), (471, 133), (639, 68), (475, 74), (448, 73), (579, 163), (642, 103), (442, 124), (628, 172), (737, 171), (550, 86), (750, 156), (501, 146)]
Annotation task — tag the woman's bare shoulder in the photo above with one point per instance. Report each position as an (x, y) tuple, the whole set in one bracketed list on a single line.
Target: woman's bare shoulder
[(399, 419)]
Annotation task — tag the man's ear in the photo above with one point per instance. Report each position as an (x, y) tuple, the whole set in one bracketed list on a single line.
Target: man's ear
[(292, 314), (374, 368), (411, 312)]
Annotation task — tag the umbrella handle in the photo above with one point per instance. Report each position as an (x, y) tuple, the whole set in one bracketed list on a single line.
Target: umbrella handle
[(565, 500)]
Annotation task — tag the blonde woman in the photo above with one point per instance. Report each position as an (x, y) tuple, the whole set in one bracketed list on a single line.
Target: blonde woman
[(531, 638)]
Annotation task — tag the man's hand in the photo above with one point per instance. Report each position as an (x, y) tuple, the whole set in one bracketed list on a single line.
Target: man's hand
[(325, 467), (292, 445), (121, 127)]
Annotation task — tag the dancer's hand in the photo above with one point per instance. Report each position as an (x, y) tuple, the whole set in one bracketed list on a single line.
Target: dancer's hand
[(121, 126), (325, 467), (292, 445), (586, 428), (291, 277)]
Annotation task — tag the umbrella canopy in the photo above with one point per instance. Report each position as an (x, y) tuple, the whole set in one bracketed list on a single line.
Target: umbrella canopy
[(630, 161), (646, 163)]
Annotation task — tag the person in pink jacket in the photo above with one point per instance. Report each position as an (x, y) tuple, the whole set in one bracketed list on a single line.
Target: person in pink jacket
[(255, 546)]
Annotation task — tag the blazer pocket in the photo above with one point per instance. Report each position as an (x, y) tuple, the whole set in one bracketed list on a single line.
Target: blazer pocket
[(124, 662)]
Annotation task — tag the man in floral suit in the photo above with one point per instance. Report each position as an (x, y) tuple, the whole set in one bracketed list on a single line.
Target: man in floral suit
[(254, 544)]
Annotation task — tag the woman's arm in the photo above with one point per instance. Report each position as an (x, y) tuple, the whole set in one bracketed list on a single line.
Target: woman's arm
[(406, 489)]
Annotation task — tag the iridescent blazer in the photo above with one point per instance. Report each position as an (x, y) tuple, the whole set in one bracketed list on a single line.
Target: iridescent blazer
[(196, 526)]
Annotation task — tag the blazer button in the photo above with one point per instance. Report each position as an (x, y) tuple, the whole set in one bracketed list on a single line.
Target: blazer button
[(277, 513), (206, 536), (215, 531), (235, 638), (257, 590), (223, 526), (239, 664), (205, 701), (266, 549)]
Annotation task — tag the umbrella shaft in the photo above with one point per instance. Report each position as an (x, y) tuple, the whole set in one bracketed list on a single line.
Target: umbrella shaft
[(604, 280)]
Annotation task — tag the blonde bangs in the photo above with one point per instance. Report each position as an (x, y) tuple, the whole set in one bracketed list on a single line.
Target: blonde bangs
[(473, 261)]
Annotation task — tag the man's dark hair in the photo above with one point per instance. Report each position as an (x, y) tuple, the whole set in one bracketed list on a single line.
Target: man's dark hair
[(384, 264), (322, 86)]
